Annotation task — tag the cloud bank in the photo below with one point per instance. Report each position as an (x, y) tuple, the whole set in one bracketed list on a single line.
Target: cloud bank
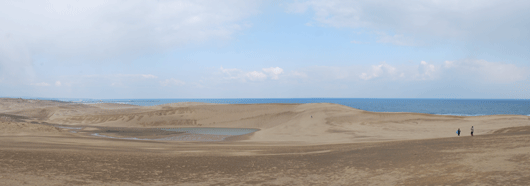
[(272, 73), (460, 70), (105, 29), (410, 21)]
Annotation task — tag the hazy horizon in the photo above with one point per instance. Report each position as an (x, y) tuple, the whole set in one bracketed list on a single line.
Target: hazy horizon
[(72, 98)]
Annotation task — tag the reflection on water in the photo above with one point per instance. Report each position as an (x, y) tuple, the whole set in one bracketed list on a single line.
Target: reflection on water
[(62, 127), (99, 135), (213, 131), (197, 137), (171, 134)]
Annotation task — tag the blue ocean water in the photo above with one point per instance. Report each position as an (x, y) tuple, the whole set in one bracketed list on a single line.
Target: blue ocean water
[(460, 107)]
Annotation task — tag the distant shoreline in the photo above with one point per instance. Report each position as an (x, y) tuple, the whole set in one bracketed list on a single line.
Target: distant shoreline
[(452, 107), (384, 105)]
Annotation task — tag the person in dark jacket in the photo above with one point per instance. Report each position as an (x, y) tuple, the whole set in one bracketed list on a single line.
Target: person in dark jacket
[(472, 130), (458, 131)]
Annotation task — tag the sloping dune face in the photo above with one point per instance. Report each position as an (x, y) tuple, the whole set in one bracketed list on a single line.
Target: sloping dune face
[(206, 115), (15, 125), (297, 123), (332, 123), (296, 144)]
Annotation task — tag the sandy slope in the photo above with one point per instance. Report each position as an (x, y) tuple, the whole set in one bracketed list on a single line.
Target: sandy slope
[(339, 145), (493, 159), (330, 123)]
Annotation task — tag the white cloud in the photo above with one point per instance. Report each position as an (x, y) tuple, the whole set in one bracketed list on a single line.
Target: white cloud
[(298, 74), (58, 83), (487, 71), (449, 64), (234, 73), (491, 20), (148, 76), (105, 29), (365, 76), (145, 76), (427, 71), (42, 84), (172, 82), (255, 75), (332, 73), (115, 76), (274, 72), (121, 25), (463, 70), (377, 71)]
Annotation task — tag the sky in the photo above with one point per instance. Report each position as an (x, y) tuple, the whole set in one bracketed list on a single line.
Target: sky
[(106, 49)]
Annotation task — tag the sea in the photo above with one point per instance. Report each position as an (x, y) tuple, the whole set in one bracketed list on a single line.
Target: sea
[(458, 107)]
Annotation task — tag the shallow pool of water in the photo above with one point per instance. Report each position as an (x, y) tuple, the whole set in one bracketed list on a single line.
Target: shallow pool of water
[(172, 134), (213, 131)]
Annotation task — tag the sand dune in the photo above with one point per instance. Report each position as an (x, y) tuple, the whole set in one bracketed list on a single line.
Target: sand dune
[(296, 123), (24, 128), (297, 144), (16, 125)]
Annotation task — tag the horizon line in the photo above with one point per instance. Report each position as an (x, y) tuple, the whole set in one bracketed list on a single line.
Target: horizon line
[(49, 98)]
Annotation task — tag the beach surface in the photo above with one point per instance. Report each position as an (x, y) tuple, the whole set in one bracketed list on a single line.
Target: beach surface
[(53, 143)]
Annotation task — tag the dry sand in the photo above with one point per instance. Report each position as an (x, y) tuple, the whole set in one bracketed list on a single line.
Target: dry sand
[(339, 145)]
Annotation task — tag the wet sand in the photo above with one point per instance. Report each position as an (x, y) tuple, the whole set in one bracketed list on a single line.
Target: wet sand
[(36, 154)]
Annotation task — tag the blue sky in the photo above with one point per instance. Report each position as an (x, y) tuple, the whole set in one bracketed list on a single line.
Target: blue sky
[(265, 49)]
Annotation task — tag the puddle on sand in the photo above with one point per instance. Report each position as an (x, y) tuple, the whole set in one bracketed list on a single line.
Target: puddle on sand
[(167, 134), (63, 127), (171, 134), (213, 131)]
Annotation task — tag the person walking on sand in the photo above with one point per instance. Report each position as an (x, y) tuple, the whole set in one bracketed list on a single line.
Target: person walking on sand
[(472, 130), (458, 131)]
